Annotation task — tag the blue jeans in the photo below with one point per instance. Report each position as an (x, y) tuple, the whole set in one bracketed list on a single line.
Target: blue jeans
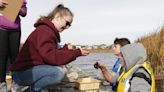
[(38, 77)]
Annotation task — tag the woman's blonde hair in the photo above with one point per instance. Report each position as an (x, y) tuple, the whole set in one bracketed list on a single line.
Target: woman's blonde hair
[(61, 10)]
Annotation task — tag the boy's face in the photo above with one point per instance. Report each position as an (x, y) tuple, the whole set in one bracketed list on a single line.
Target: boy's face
[(122, 60), (116, 49)]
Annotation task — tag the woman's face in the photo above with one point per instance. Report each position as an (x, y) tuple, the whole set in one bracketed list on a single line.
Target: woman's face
[(62, 23), (116, 49)]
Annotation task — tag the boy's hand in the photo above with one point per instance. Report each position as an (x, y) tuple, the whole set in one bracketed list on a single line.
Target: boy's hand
[(99, 65)]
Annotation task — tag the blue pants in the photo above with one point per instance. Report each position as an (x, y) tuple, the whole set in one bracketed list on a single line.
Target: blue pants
[(39, 76)]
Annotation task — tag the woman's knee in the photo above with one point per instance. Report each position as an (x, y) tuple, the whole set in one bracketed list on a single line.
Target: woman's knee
[(59, 74)]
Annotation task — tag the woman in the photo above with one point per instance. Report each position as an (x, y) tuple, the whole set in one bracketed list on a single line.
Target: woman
[(40, 60), (10, 33)]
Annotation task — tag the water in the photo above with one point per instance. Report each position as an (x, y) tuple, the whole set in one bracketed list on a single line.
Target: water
[(86, 63)]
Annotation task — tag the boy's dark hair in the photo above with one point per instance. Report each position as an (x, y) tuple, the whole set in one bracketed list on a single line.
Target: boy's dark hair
[(122, 41)]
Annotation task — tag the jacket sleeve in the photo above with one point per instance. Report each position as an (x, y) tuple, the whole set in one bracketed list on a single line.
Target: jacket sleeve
[(65, 47), (48, 50), (139, 85)]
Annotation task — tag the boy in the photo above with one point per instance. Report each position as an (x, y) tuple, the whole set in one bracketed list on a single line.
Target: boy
[(135, 74), (118, 43)]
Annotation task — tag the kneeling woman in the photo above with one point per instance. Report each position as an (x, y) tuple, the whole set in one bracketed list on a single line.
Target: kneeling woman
[(40, 60)]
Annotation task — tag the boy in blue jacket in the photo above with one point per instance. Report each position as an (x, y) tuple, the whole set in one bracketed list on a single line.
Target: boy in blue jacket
[(118, 43)]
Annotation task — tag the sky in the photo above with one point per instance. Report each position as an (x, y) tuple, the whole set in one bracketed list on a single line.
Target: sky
[(100, 21)]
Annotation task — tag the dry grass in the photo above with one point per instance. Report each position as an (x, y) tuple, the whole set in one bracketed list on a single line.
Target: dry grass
[(100, 50), (154, 43)]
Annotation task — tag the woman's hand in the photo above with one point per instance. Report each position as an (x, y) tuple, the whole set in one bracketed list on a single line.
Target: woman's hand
[(84, 51), (70, 46)]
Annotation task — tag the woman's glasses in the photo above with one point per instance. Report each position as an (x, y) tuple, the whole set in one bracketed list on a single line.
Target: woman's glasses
[(68, 24)]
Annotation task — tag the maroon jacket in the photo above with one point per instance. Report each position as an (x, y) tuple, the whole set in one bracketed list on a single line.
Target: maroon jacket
[(41, 48)]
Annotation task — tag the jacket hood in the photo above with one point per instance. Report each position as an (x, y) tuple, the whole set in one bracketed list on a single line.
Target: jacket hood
[(45, 21), (133, 54)]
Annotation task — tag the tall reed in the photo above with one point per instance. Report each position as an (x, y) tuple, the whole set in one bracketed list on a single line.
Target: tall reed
[(154, 44)]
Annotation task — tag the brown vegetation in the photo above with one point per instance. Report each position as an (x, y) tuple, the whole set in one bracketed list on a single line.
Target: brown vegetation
[(154, 43), (100, 50)]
